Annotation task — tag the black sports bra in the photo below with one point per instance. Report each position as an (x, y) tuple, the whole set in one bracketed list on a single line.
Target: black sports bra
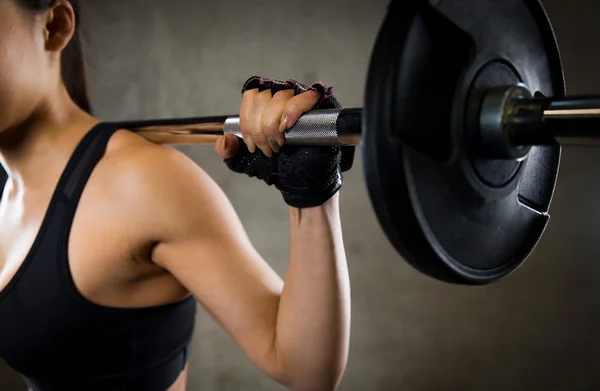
[(59, 341)]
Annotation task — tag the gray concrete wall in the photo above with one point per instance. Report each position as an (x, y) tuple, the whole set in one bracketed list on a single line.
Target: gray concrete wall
[(536, 330)]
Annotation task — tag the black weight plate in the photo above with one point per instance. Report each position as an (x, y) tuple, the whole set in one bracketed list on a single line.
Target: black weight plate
[(451, 214)]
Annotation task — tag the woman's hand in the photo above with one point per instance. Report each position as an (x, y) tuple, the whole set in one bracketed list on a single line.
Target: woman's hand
[(306, 176), (265, 116)]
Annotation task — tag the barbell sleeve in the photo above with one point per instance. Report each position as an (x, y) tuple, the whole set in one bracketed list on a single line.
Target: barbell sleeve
[(320, 127), (572, 121)]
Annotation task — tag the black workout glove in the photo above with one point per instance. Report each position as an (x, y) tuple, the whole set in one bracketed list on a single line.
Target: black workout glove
[(305, 176)]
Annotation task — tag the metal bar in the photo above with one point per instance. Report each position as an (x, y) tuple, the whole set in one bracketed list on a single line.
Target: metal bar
[(319, 127), (573, 121)]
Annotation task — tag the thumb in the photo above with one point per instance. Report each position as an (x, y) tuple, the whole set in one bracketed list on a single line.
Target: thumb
[(227, 146)]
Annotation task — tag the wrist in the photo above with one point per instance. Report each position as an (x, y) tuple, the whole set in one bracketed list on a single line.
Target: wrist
[(329, 206), (315, 227)]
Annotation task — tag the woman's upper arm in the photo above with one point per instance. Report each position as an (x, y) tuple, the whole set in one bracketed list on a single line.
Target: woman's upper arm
[(202, 243)]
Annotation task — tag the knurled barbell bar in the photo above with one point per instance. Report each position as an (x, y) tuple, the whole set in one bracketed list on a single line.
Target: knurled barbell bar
[(510, 122), (464, 109)]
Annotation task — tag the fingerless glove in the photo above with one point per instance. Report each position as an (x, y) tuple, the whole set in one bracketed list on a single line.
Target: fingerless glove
[(305, 176)]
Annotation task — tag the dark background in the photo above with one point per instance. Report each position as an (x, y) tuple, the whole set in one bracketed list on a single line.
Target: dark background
[(537, 330)]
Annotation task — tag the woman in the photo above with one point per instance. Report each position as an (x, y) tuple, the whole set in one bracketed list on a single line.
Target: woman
[(108, 241)]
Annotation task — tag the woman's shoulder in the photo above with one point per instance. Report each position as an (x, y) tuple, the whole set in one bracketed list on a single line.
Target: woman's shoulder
[(146, 178), (131, 157)]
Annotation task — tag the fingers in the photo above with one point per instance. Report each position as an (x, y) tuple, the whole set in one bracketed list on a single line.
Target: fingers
[(264, 118), (271, 120), (296, 107), (246, 115), (253, 106), (227, 146), (259, 105)]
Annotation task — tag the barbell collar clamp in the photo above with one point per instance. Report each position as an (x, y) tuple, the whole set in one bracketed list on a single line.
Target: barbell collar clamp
[(497, 119)]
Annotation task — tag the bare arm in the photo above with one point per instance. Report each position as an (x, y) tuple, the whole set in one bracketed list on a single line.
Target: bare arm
[(297, 333), (314, 313)]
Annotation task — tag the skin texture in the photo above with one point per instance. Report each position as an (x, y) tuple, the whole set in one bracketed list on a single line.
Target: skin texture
[(296, 331)]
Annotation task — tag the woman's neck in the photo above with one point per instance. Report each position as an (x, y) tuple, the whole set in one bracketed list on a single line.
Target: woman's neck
[(47, 137)]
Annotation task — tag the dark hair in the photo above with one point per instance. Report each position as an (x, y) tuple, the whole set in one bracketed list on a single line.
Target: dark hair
[(72, 60)]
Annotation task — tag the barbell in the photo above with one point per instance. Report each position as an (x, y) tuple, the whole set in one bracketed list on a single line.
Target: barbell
[(464, 115)]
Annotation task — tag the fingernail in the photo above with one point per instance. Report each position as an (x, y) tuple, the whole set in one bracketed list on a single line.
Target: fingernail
[(224, 143), (284, 124), (275, 145), (249, 144), (266, 150)]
